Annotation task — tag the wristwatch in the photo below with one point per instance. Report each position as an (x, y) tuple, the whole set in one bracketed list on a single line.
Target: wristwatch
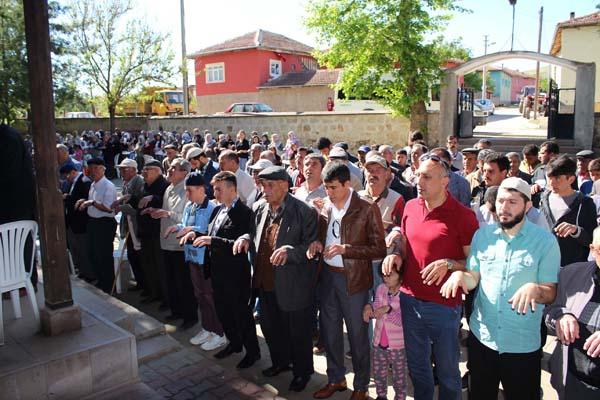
[(449, 264)]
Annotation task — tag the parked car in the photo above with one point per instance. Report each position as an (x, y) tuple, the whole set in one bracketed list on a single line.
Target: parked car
[(248, 108), (486, 105), (479, 110), (79, 114)]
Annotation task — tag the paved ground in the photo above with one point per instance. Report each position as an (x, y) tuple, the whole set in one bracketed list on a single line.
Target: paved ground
[(509, 122), (194, 373)]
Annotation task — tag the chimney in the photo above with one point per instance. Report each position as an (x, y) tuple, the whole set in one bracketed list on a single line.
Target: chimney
[(572, 15)]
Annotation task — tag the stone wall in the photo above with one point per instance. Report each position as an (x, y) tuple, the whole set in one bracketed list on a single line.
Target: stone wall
[(300, 99), (356, 128), (596, 140), (68, 125)]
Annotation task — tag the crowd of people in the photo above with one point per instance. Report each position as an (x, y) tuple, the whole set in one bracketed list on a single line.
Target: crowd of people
[(396, 244)]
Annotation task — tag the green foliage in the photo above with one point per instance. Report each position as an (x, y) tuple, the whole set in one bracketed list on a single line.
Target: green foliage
[(474, 80), (116, 51), (388, 48)]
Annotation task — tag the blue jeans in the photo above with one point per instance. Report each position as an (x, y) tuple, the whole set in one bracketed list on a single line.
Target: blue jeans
[(377, 280), (426, 323)]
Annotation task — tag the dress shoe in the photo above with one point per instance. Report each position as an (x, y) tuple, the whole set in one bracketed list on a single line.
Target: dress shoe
[(299, 383), (274, 371), (318, 349), (248, 361), (359, 395), (188, 324), (329, 390), (173, 317), (226, 352)]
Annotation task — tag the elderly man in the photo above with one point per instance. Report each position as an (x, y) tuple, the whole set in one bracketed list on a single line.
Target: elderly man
[(515, 265), (63, 158), (171, 154), (470, 171), (430, 253), (457, 156), (255, 169), (149, 232), (346, 278), (133, 189), (229, 161), (180, 293), (584, 180), (515, 163), (281, 231), (254, 155), (101, 225), (416, 151), (573, 318)]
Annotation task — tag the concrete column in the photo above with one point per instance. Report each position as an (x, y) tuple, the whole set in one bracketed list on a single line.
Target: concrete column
[(448, 107), (585, 84)]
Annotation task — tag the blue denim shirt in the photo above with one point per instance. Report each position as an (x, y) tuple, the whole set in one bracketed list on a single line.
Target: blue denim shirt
[(505, 265), (202, 218)]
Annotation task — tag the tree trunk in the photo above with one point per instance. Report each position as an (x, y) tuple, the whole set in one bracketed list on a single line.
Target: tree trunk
[(418, 117), (111, 118)]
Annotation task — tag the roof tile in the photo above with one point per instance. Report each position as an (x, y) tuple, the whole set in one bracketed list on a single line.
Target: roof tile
[(320, 77)]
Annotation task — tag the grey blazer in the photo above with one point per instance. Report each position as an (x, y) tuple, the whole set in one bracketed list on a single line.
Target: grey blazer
[(575, 289), (135, 187), (295, 280)]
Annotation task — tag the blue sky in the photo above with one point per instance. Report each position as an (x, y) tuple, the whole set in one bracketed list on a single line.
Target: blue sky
[(210, 22)]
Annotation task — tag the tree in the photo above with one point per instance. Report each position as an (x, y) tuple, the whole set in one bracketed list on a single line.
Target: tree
[(388, 48), (14, 84), (116, 53), (474, 81)]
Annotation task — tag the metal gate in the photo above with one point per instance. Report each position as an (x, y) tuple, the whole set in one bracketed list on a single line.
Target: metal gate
[(561, 112), (465, 113)]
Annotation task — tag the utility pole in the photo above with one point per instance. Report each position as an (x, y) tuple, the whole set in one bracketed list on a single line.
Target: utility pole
[(512, 36), (186, 101), (486, 43), (537, 67)]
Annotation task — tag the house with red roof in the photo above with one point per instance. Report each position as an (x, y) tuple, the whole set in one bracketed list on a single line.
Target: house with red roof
[(577, 39), (261, 66)]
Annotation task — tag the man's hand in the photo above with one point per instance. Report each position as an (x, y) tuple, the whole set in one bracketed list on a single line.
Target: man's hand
[(318, 203), (592, 345), (565, 229), (184, 231), (202, 241), (535, 188), (279, 256), (159, 213), (393, 261), (86, 204), (148, 211), (567, 329), (334, 250), (314, 248), (392, 237), (189, 236), (525, 297), (170, 230), (241, 246), (455, 281), (381, 311), (144, 201), (435, 272), (78, 203), (116, 205), (368, 313)]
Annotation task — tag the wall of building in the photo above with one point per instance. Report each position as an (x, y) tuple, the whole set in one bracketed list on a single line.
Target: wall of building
[(579, 44), (68, 125), (517, 84), (297, 99), (354, 128), (502, 82), (245, 70)]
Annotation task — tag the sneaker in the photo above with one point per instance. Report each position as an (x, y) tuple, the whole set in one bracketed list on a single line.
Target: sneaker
[(201, 337), (215, 342)]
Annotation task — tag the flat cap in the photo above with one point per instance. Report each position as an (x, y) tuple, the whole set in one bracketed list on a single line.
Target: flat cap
[(376, 159), (261, 164), (170, 146), (153, 163), (128, 163), (274, 173), (338, 152), (193, 152), (517, 184), (470, 150), (96, 161), (585, 154)]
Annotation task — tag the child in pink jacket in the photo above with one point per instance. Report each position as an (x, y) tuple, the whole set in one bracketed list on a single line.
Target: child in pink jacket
[(388, 338)]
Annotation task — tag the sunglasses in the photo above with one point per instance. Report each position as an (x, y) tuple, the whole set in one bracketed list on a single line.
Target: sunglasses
[(435, 158)]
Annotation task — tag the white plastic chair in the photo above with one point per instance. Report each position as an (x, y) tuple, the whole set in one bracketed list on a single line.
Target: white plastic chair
[(13, 275)]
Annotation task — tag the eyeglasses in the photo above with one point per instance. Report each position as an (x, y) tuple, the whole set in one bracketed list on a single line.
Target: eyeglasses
[(335, 228), (433, 157)]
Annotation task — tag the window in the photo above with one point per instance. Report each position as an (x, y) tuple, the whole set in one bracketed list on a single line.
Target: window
[(274, 68), (215, 73)]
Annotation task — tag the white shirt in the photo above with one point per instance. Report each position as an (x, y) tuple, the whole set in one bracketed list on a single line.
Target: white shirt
[(103, 192), (335, 222), (245, 185)]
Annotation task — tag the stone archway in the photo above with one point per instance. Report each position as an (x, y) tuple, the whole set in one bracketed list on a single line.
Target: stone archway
[(584, 95)]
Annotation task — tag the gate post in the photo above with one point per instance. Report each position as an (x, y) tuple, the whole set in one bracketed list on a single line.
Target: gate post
[(585, 83), (448, 106)]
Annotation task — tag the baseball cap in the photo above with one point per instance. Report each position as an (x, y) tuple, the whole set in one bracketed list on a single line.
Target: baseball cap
[(376, 159), (338, 152), (364, 149)]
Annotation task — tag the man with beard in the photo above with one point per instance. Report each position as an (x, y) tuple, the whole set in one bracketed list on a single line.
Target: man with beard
[(201, 163), (515, 264)]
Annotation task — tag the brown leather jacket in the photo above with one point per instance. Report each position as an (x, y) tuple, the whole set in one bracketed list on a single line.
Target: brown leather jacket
[(362, 233)]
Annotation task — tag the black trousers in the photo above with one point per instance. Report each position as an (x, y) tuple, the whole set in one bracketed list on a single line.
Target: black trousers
[(180, 291), (519, 373), (134, 257), (101, 235), (153, 266), (232, 303), (288, 334)]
